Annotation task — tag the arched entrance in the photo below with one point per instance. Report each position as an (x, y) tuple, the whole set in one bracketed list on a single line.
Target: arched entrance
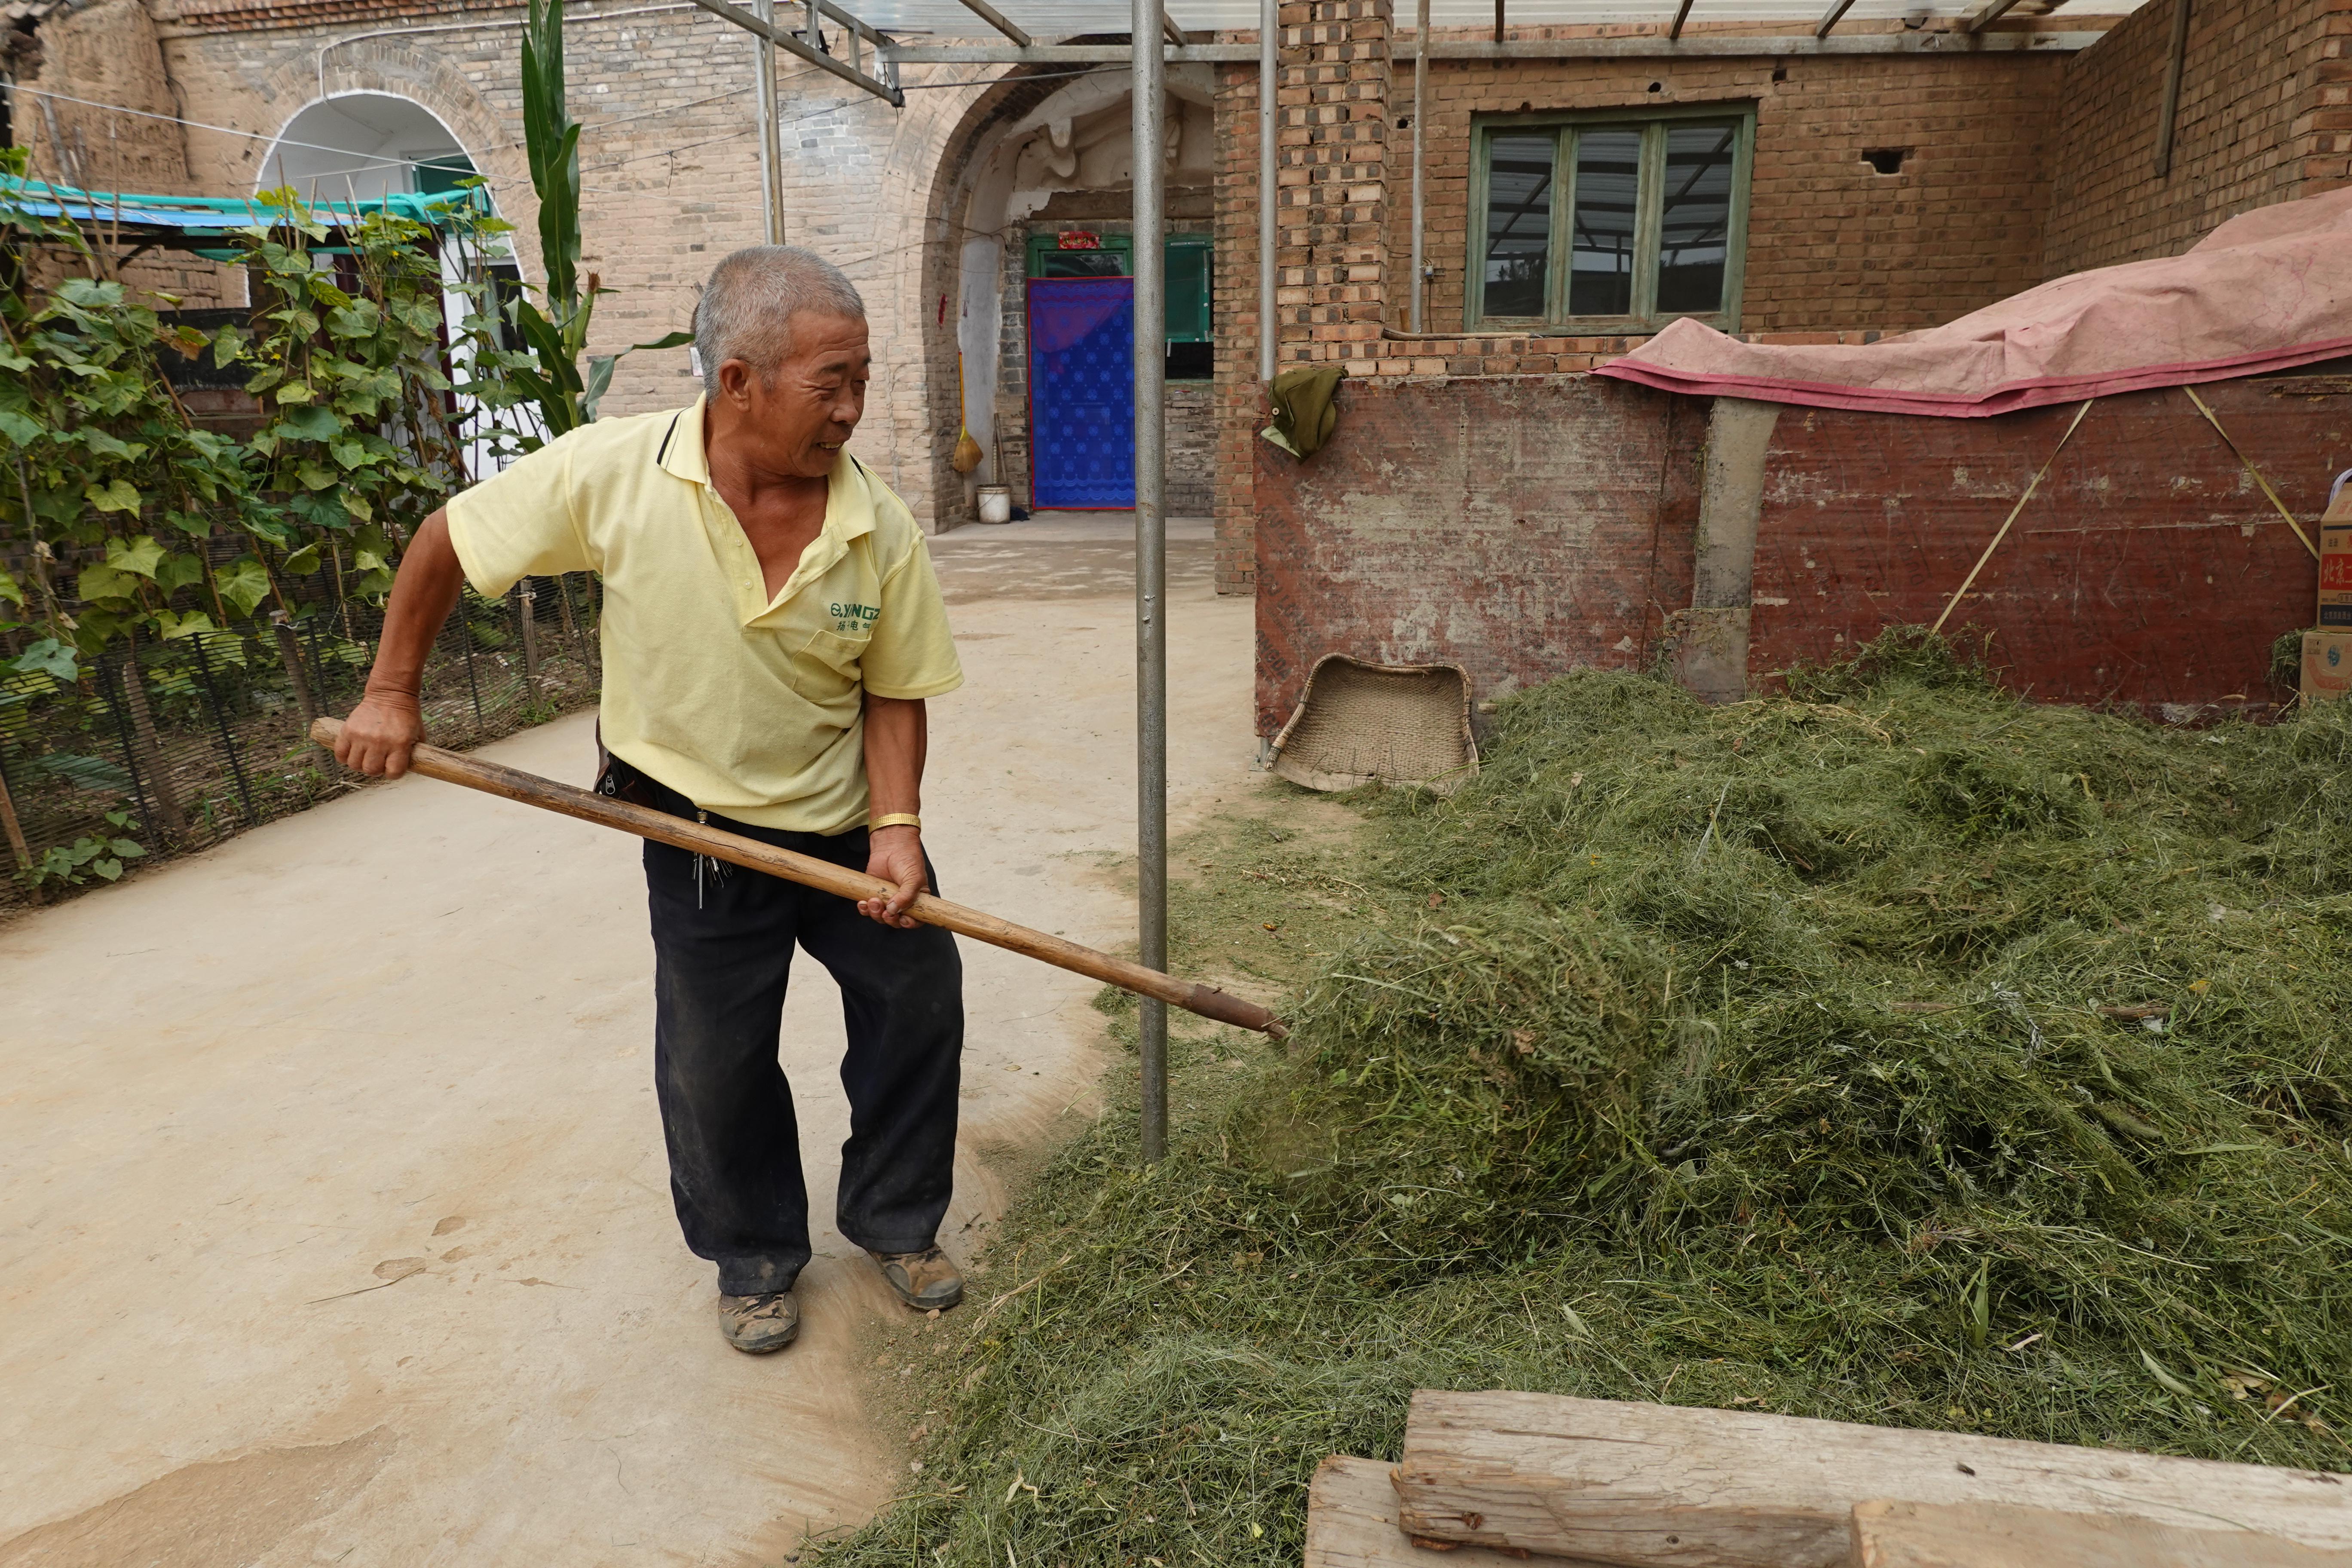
[(363, 147), (1044, 195)]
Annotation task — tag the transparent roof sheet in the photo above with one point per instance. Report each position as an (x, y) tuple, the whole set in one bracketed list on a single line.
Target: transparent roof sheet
[(1062, 18)]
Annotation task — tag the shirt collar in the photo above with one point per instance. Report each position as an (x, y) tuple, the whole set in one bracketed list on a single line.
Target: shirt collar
[(849, 496)]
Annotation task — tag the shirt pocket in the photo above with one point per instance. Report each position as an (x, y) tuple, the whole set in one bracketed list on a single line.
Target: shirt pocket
[(830, 666)]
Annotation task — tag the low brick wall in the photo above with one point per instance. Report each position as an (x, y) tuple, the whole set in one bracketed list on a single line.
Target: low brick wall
[(1516, 526), (2150, 571), (1523, 526)]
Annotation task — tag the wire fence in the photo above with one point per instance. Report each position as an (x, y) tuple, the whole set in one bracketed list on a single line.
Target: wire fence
[(151, 750)]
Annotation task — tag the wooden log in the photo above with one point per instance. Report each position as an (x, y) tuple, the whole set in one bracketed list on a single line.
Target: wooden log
[(1351, 1523), (1979, 1535), (513, 784), (1645, 1485)]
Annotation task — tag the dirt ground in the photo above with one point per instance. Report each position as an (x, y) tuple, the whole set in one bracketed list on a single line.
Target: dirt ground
[(334, 1222)]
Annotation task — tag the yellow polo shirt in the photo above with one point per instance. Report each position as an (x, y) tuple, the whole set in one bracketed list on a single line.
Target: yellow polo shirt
[(751, 707)]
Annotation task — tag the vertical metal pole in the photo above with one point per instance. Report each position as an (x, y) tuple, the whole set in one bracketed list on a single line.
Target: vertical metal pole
[(771, 152), (228, 741), (1269, 31), (1151, 558), (2175, 65), (1420, 112)]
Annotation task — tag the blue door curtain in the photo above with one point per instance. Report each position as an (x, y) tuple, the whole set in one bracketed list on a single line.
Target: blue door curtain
[(1082, 392)]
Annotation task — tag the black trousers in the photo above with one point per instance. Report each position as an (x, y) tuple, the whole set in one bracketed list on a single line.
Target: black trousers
[(723, 941)]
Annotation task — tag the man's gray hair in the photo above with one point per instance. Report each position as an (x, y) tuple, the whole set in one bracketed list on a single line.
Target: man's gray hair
[(746, 310)]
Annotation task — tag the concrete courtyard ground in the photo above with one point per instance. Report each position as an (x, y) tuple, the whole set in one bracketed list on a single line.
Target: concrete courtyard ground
[(334, 1222)]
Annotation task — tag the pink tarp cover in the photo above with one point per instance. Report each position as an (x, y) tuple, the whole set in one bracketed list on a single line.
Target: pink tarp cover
[(2266, 291)]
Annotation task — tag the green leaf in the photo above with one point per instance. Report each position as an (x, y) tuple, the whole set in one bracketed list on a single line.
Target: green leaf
[(47, 657), (315, 423), (84, 772), (243, 585), (356, 504), (174, 627), (349, 452), (115, 495), (140, 556), (302, 563), (358, 320), (20, 431), (129, 849), (110, 869), (100, 583), (600, 377), (314, 475), (107, 446), (294, 392), (11, 590), (2172, 1383), (179, 570)]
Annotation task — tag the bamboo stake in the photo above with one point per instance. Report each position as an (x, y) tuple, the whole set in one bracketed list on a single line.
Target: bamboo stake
[(23, 850), (513, 784), (1962, 591)]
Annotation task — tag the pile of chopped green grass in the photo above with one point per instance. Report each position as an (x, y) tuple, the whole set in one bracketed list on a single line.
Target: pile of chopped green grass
[(1892, 1052)]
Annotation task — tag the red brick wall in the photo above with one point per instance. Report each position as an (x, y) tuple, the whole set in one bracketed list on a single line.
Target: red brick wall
[(1525, 526), (2148, 572), (1519, 527), (2266, 115), (1832, 243)]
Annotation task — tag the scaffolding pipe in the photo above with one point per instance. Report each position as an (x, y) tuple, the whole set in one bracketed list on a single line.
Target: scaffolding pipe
[(1150, 107), (996, 19), (772, 150), (1420, 110), (1269, 33), (751, 22)]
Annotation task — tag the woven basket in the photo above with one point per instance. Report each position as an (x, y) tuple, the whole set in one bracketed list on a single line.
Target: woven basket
[(1399, 724)]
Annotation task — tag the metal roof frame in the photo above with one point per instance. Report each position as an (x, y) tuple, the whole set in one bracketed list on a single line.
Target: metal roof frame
[(886, 87), (1647, 46)]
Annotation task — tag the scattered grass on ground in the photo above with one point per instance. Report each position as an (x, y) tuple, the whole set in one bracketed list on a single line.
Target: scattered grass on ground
[(1891, 1051)]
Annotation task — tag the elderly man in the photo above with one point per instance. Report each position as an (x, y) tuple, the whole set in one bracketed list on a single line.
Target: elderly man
[(771, 630)]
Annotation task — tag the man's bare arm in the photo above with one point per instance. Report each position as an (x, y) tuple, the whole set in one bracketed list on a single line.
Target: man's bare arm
[(898, 733), (383, 729)]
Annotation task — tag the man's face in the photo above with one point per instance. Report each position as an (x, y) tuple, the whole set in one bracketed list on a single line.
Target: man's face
[(799, 418)]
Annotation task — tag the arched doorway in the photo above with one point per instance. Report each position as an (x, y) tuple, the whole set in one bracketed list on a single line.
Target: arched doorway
[(363, 147), (1047, 194)]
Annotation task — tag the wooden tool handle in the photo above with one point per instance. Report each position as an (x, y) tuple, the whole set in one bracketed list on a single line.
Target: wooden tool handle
[(513, 784)]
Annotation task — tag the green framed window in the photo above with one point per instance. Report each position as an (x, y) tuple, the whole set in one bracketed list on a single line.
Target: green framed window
[(1609, 220)]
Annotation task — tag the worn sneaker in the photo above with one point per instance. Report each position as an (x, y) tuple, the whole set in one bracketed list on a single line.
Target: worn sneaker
[(757, 1325), (926, 1280)]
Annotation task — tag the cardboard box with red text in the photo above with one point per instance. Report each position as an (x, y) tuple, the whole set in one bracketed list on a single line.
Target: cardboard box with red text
[(2326, 665), (2335, 563)]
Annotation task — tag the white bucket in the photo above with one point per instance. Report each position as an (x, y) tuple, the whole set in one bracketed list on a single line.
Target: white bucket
[(995, 503)]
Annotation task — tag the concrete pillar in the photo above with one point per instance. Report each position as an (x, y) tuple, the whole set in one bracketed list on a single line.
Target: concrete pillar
[(1711, 636)]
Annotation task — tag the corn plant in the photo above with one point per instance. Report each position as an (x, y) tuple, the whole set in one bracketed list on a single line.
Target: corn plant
[(548, 372)]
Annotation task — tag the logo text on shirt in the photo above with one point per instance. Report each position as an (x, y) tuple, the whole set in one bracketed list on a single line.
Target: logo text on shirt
[(852, 617)]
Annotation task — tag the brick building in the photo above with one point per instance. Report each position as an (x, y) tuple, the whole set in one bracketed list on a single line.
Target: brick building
[(1478, 506), (1899, 173)]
